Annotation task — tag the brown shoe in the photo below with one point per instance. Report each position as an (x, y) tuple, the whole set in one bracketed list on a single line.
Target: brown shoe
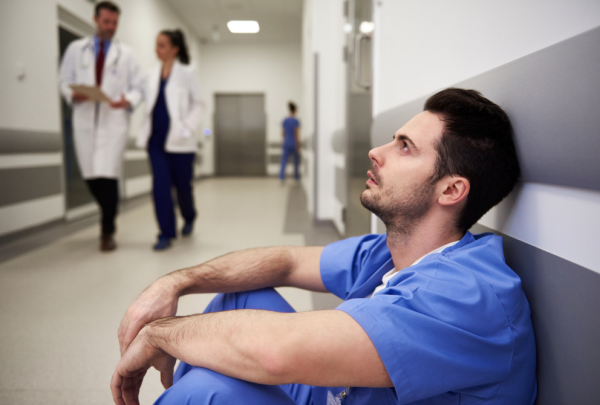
[(107, 243)]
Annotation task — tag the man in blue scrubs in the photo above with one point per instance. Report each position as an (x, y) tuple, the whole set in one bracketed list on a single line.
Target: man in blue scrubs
[(432, 313)]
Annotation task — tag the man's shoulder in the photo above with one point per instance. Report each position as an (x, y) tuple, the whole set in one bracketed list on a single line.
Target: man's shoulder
[(479, 265)]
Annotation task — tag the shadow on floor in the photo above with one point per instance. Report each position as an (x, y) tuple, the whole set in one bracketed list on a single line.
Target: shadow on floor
[(316, 233)]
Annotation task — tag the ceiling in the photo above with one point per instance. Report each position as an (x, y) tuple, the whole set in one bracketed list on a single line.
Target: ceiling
[(280, 20)]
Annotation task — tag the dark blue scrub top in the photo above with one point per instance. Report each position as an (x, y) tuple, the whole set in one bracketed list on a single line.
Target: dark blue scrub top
[(289, 126), (160, 119), (452, 329)]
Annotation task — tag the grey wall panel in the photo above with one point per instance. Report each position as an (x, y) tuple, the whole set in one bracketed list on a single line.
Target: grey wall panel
[(21, 141), (276, 159), (340, 185), (565, 304), (24, 184), (136, 168), (552, 97)]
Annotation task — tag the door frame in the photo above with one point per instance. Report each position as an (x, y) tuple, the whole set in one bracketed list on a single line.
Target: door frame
[(72, 23)]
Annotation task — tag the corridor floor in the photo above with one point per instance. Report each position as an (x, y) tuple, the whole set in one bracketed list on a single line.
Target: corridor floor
[(61, 304)]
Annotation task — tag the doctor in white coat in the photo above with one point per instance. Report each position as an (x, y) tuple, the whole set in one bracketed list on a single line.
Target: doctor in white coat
[(173, 110), (100, 129)]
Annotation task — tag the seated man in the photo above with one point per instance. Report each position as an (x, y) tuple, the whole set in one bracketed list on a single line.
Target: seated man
[(432, 314)]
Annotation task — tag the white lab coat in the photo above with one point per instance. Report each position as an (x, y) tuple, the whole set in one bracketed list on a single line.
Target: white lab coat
[(184, 104), (100, 132)]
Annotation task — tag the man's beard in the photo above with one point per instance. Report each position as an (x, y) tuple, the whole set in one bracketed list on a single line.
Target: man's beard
[(400, 211)]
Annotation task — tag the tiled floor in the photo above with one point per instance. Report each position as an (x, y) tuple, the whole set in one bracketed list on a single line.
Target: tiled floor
[(61, 304)]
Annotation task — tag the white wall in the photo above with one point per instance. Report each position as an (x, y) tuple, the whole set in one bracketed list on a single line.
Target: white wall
[(421, 47), (274, 70), (323, 34), (29, 37)]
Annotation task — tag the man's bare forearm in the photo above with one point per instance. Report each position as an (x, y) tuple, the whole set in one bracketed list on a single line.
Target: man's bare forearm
[(317, 348), (251, 269), (241, 271)]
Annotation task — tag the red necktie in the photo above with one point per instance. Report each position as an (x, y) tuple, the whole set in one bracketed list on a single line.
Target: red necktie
[(100, 64)]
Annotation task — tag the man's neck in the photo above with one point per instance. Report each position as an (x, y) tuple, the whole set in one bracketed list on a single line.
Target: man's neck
[(426, 237)]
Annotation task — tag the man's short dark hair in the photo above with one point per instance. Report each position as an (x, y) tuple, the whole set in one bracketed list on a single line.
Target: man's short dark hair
[(476, 144), (106, 5), (292, 107)]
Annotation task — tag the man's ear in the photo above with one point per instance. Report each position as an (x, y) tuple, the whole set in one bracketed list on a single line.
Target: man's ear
[(456, 189)]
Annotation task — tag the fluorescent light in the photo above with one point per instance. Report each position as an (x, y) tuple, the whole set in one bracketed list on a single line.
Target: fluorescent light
[(366, 27), (348, 28), (243, 27)]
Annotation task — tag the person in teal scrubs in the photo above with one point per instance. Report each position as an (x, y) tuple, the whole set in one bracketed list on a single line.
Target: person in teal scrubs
[(432, 314)]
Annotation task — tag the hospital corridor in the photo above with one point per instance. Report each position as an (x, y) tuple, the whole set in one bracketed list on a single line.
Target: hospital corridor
[(63, 301), (301, 202)]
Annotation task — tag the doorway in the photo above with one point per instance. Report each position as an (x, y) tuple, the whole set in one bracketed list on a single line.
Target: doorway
[(240, 133), (79, 201), (359, 100)]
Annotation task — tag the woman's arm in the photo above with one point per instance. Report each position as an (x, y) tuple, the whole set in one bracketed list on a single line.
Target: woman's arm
[(194, 115)]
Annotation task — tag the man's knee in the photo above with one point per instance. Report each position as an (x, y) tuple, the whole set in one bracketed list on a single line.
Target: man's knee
[(203, 386), (266, 299)]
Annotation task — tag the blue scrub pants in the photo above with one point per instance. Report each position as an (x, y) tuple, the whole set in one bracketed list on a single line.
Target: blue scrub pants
[(168, 170), (195, 385), (286, 154)]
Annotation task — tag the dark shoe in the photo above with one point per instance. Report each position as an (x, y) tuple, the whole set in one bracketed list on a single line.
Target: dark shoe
[(163, 243), (187, 229), (107, 243)]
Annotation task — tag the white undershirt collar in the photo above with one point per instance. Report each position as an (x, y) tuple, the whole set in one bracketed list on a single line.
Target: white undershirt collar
[(390, 274)]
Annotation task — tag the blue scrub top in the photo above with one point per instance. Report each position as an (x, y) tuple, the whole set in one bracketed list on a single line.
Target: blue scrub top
[(289, 128), (452, 329)]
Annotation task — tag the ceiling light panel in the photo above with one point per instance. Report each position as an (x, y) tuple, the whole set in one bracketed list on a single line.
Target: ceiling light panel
[(243, 27)]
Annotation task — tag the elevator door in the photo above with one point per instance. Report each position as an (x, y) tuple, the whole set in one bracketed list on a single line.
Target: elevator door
[(240, 133)]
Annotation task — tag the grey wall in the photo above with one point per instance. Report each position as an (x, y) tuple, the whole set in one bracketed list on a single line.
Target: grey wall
[(22, 183), (565, 308)]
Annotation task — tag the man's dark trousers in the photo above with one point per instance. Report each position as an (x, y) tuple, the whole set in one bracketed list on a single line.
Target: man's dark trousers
[(106, 193)]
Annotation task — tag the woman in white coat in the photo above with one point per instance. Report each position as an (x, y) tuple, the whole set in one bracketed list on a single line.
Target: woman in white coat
[(173, 109)]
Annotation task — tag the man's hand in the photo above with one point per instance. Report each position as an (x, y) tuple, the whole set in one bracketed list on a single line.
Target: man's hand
[(135, 362), (79, 98), (157, 301), (122, 103)]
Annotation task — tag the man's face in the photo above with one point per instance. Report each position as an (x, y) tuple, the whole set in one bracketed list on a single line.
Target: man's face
[(106, 22), (399, 190)]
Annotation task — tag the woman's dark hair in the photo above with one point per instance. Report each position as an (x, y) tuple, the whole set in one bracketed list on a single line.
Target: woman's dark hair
[(106, 5), (178, 39), (476, 144), (292, 107)]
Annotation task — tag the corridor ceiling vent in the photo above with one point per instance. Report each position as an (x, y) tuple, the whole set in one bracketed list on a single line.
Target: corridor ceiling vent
[(243, 27)]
